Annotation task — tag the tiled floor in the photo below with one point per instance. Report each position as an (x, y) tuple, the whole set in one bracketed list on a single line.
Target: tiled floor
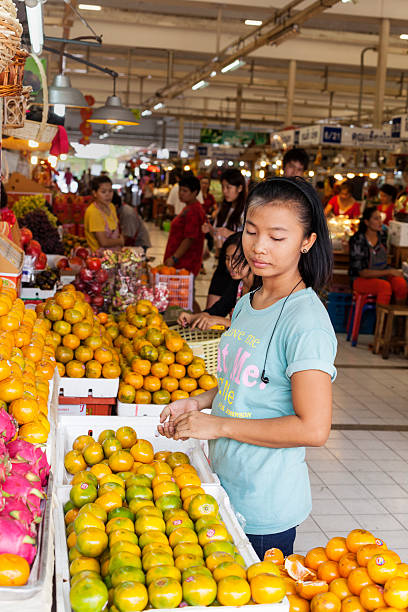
[(360, 477)]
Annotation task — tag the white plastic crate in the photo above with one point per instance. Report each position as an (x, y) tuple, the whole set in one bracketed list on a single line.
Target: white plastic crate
[(69, 427), (181, 288), (34, 293), (398, 233), (139, 410), (240, 540), (88, 387)]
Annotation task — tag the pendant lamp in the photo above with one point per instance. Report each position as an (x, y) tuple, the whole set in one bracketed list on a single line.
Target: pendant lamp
[(113, 113), (61, 93)]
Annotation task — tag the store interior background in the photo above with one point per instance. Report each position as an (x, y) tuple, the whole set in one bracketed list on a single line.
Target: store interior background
[(345, 65)]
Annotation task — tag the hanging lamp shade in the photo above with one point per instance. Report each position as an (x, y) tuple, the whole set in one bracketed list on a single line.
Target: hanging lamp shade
[(62, 92), (113, 113)]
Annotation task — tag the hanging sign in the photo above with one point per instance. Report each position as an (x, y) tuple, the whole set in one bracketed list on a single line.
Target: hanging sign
[(399, 127)]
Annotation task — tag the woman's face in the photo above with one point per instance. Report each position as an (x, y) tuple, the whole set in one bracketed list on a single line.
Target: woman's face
[(205, 184), (104, 194), (374, 223), (385, 198), (236, 272), (273, 239), (230, 192), (344, 194)]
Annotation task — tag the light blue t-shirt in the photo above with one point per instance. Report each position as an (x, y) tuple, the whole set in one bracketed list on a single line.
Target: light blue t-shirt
[(269, 487)]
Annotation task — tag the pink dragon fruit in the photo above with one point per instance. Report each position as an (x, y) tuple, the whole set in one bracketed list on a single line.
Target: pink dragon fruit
[(5, 465), (25, 469), (8, 426), (25, 451), (16, 509), (15, 539), (28, 492)]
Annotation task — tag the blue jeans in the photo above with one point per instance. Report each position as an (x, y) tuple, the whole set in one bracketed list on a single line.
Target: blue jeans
[(283, 540)]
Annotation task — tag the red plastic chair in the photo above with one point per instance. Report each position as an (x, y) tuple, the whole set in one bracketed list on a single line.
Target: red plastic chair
[(361, 302)]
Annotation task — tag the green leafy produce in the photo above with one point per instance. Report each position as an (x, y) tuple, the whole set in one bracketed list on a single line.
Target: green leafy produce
[(28, 204)]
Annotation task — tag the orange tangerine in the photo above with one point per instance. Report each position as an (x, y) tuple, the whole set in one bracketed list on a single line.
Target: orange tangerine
[(325, 602), (372, 597), (357, 538), (358, 579), (381, 568), (339, 587)]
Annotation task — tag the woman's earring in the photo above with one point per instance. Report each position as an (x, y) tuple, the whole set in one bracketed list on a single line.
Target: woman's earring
[(304, 251)]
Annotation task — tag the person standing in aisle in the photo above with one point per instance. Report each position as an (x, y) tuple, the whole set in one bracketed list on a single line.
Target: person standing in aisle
[(229, 220), (186, 240), (295, 162), (275, 368), (132, 226)]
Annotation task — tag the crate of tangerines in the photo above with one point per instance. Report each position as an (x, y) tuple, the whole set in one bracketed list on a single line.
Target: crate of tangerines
[(180, 284), (157, 365), (357, 573), (87, 361)]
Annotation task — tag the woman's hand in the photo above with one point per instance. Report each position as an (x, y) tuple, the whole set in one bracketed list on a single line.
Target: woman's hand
[(205, 321), (172, 412), (169, 262), (394, 272), (206, 228), (197, 425), (185, 319)]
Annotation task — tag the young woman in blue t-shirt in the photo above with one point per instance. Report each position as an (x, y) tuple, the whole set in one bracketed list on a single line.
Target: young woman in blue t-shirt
[(275, 368)]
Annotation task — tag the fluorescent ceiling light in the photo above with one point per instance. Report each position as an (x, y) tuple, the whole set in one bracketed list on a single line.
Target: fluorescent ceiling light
[(89, 7), (35, 27), (200, 85), (404, 36), (146, 113), (213, 73), (233, 66), (158, 106), (253, 22)]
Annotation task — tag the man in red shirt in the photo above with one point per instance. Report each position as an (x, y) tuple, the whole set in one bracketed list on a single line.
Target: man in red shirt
[(185, 244)]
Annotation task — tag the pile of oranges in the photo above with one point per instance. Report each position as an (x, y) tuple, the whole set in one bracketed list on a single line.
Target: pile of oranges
[(157, 365), (83, 347), (353, 574), (143, 533), (27, 363)]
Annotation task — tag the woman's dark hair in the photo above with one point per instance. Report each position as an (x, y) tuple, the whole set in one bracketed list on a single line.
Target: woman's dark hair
[(316, 266), (390, 190), (366, 216), (233, 177), (191, 182), (347, 185), (4, 200), (98, 181), (234, 239)]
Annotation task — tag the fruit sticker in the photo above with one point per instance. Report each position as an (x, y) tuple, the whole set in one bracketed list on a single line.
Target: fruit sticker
[(379, 542), (84, 485), (177, 522), (210, 533), (380, 561)]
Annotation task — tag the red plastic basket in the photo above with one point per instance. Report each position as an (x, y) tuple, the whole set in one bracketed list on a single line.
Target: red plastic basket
[(181, 288), (90, 406)]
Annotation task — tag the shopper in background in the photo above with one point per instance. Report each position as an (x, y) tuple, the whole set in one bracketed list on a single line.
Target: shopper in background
[(101, 222), (295, 162), (133, 228), (275, 367), (343, 203), (210, 209), (146, 204), (9, 223), (185, 243), (229, 220), (388, 196), (173, 198), (369, 267), (241, 282)]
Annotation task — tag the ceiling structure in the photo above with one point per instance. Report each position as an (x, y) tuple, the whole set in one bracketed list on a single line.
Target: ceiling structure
[(161, 48)]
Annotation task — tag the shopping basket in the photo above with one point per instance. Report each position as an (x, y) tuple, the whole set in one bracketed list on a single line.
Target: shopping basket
[(203, 344)]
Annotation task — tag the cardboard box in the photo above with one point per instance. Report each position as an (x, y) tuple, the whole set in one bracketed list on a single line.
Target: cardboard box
[(11, 263)]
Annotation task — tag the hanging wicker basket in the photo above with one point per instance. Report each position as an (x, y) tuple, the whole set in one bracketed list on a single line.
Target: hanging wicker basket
[(10, 33), (35, 130), (11, 79), (15, 109)]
